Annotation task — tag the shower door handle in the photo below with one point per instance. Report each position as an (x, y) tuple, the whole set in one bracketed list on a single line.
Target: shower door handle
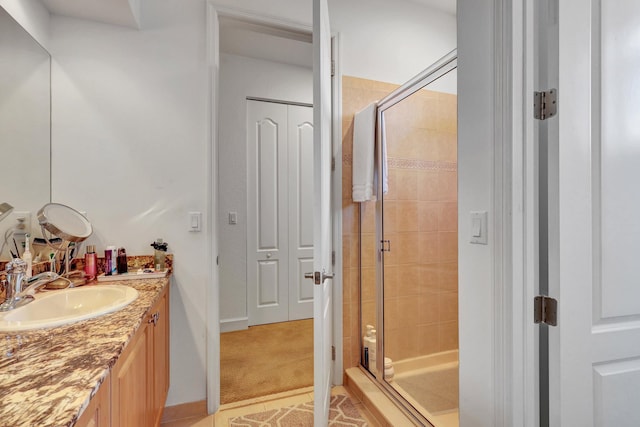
[(318, 277)]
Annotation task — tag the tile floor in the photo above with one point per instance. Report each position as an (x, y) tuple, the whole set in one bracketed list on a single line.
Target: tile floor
[(281, 400)]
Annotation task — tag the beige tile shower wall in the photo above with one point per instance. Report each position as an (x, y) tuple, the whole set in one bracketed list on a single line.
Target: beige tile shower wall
[(420, 219)]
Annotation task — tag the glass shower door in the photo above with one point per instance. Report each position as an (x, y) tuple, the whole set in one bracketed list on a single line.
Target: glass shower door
[(417, 248)]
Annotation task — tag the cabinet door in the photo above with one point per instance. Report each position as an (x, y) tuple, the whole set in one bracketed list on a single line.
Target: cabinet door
[(129, 401), (98, 413), (160, 357)]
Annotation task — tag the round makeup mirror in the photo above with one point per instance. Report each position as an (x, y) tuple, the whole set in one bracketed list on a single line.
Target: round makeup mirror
[(65, 223)]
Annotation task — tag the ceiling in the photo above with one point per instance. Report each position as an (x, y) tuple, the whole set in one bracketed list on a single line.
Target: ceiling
[(255, 40), (125, 13), (448, 6)]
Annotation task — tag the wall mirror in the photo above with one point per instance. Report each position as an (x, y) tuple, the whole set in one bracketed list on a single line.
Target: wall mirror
[(25, 123)]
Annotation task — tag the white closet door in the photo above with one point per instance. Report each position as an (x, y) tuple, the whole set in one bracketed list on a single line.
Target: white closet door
[(267, 237), (300, 211)]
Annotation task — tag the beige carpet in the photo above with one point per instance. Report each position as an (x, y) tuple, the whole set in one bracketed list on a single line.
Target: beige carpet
[(266, 359), (342, 413)]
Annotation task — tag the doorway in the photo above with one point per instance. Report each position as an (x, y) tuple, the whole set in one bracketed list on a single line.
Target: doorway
[(265, 124)]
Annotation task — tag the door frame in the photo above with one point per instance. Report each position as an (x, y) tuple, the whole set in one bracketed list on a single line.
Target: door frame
[(500, 51), (518, 239), (213, 12)]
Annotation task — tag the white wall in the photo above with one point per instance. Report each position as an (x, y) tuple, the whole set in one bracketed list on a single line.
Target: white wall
[(241, 77), (130, 147), (475, 183), (33, 17), (390, 41)]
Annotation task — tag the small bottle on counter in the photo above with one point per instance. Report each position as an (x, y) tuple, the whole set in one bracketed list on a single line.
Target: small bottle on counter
[(112, 265), (27, 258), (122, 261), (108, 261), (91, 262)]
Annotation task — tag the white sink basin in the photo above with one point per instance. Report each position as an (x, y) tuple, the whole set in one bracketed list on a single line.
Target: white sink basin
[(57, 308)]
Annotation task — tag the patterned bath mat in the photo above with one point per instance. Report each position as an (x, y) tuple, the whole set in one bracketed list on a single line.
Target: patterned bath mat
[(342, 413)]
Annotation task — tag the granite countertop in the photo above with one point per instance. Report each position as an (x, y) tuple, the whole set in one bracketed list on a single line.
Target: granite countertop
[(48, 376)]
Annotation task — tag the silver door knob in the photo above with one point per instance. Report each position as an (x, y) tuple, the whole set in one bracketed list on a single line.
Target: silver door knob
[(318, 277), (326, 276)]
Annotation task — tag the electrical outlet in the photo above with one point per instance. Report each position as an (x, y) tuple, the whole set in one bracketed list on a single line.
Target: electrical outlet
[(21, 222)]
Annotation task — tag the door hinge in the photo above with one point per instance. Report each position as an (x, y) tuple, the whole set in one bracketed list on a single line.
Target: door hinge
[(545, 310), (333, 257), (333, 352), (333, 164), (545, 104), (333, 67)]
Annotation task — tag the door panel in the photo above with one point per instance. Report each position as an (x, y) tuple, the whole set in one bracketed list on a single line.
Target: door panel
[(619, 156), (268, 283), (267, 220), (322, 226), (268, 146), (594, 352), (300, 211)]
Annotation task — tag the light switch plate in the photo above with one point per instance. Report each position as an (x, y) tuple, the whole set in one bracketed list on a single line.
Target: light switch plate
[(195, 221), (233, 218), (22, 221), (478, 232)]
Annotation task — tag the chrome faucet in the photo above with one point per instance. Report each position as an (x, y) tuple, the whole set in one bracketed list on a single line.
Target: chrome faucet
[(15, 270), (31, 284), (20, 289)]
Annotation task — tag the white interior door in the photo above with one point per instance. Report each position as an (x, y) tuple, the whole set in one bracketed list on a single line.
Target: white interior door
[(322, 230), (267, 222), (300, 140), (595, 349)]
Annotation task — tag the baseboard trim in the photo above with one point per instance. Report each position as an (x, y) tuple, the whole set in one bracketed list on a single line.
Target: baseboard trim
[(235, 324), (184, 410)]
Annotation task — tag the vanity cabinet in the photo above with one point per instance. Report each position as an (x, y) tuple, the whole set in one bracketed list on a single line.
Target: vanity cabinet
[(140, 378), (160, 356)]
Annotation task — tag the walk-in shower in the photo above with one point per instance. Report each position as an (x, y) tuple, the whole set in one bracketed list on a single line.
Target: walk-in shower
[(409, 248)]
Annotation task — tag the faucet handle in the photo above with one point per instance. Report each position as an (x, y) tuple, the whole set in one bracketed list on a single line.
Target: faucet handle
[(16, 266)]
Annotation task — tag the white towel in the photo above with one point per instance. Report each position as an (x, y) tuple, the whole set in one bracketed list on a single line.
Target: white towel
[(364, 137)]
